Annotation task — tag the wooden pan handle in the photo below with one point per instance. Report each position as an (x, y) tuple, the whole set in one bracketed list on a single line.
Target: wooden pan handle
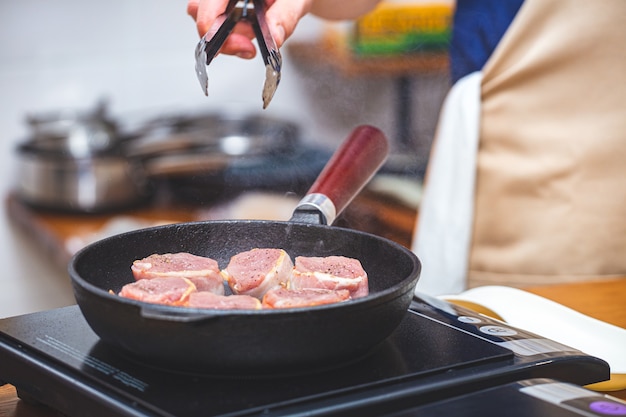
[(352, 166)]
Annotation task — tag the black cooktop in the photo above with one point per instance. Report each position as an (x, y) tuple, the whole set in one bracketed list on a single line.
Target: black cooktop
[(438, 351)]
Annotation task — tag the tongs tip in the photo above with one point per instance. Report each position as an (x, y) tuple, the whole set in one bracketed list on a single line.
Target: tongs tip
[(272, 78), (211, 42), (201, 59)]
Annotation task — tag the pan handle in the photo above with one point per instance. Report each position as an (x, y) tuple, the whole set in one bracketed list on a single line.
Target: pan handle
[(349, 169)]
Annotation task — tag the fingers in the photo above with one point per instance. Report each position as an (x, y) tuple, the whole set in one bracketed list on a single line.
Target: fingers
[(239, 43), (204, 12), (192, 8), (283, 17)]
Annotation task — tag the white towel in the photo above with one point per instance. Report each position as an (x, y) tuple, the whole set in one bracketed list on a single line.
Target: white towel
[(444, 230)]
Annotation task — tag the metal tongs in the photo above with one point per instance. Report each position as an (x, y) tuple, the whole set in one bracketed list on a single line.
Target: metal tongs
[(252, 11)]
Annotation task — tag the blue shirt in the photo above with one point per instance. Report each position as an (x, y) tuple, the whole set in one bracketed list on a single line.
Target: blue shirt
[(478, 26)]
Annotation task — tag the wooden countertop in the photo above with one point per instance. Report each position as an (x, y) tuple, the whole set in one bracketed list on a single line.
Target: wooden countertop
[(602, 300)]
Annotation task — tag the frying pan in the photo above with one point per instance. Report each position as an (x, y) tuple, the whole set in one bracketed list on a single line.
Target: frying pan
[(256, 342)]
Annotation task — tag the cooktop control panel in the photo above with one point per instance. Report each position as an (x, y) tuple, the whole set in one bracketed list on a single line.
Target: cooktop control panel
[(520, 342), (534, 397)]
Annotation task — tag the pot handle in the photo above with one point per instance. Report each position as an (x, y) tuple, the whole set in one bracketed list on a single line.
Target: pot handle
[(350, 168), (175, 315)]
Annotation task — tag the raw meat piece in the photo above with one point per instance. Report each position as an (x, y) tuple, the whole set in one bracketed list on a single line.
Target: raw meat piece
[(332, 273), (164, 290), (202, 271), (280, 297), (258, 270), (206, 299)]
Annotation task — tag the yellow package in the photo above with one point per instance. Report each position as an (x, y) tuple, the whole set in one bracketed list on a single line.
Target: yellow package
[(401, 28)]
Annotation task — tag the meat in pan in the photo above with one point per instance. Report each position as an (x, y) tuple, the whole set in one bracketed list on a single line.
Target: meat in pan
[(162, 290), (206, 299), (331, 273), (258, 278), (202, 271), (256, 271), (280, 297)]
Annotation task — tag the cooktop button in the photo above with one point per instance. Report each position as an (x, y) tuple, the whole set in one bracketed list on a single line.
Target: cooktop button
[(608, 408), (498, 331), (469, 319)]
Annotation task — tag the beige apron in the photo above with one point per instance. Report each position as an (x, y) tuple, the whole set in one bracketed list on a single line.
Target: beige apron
[(550, 180)]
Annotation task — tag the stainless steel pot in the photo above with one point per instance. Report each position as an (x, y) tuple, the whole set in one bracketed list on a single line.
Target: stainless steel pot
[(92, 183), (83, 163)]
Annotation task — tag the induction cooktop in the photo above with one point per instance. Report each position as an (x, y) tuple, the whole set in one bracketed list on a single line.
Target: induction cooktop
[(439, 351)]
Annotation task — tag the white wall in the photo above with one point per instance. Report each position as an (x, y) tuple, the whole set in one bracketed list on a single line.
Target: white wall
[(139, 55)]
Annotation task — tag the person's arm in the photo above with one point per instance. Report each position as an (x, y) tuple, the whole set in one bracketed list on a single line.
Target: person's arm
[(342, 10), (282, 17)]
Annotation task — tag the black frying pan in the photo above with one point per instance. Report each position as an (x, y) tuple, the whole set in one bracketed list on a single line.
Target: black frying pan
[(262, 341)]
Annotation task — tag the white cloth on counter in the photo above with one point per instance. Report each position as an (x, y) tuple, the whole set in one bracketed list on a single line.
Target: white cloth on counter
[(444, 228)]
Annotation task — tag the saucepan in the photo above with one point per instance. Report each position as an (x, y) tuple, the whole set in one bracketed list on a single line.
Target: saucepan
[(82, 162), (256, 342), (75, 161)]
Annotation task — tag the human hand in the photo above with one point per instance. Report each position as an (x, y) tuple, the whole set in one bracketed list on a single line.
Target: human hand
[(282, 17)]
